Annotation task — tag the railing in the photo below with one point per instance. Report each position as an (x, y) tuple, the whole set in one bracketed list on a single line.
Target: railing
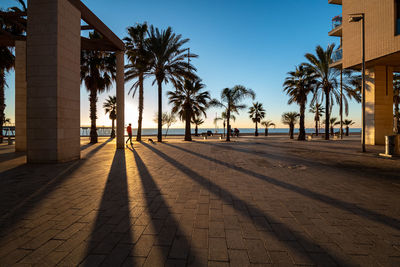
[(337, 55), (336, 22)]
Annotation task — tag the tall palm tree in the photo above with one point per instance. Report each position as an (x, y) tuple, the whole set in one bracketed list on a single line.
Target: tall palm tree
[(257, 113), (189, 101), (98, 70), (139, 66), (396, 100), (110, 107), (197, 121), (169, 62), (231, 101), (267, 124), (298, 85), (223, 118), (318, 111), (348, 123), (326, 78), (290, 118)]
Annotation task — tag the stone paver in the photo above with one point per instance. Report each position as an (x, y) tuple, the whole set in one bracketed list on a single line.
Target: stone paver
[(252, 202)]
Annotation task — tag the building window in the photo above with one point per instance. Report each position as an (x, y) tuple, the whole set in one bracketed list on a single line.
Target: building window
[(397, 4)]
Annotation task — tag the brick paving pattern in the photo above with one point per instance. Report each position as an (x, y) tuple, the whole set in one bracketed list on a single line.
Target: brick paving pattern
[(252, 202)]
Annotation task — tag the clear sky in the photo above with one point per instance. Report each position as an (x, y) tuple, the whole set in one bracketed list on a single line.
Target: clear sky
[(249, 42)]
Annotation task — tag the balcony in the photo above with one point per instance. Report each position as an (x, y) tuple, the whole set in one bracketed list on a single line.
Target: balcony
[(335, 2), (337, 57), (336, 27)]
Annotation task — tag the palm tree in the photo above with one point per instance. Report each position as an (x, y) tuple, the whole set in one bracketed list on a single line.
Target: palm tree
[(197, 121), (298, 85), (326, 78), (257, 113), (333, 122), (290, 118), (348, 123), (223, 118), (318, 110), (98, 70), (166, 119), (231, 101), (189, 101), (267, 124), (110, 107), (396, 101), (139, 66), (169, 62)]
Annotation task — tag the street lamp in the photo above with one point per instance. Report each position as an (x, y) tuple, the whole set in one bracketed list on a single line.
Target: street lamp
[(357, 18)]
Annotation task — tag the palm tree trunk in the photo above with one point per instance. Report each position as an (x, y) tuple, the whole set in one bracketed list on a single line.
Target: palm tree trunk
[(302, 132), (266, 131), (347, 130), (228, 125), (2, 103), (188, 134), (140, 118), (316, 127), (112, 129), (224, 128), (196, 131), (327, 115), (291, 131), (332, 131), (93, 115), (159, 130), (256, 133)]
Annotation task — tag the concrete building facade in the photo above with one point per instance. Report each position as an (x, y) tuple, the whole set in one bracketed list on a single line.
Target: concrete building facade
[(382, 54)]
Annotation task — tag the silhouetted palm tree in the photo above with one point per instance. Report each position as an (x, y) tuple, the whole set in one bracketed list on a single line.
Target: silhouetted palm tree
[(231, 101), (332, 123), (97, 73), (223, 118), (348, 123), (110, 107), (140, 61), (298, 85), (189, 101), (167, 118), (169, 62), (267, 124), (290, 118), (257, 113), (318, 111), (326, 78), (197, 121)]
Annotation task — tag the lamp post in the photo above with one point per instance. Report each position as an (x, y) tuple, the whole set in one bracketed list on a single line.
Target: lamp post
[(357, 18)]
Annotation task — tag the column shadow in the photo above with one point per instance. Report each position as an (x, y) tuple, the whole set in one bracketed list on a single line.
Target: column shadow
[(172, 240), (228, 197), (111, 240), (343, 205), (24, 187)]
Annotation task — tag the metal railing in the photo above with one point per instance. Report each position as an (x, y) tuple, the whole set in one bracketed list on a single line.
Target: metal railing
[(337, 55)]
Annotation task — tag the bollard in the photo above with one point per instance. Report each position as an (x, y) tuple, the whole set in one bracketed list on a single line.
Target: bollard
[(390, 144)]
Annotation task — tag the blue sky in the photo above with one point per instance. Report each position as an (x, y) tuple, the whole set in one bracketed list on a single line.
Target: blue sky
[(253, 43)]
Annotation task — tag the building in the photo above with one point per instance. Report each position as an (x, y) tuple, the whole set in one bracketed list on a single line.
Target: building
[(382, 53)]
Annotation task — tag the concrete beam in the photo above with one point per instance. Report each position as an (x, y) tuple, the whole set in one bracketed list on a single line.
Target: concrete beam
[(120, 82), (20, 96)]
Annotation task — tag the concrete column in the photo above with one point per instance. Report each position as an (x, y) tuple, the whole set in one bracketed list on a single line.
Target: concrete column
[(20, 96), (120, 82), (53, 81), (378, 104)]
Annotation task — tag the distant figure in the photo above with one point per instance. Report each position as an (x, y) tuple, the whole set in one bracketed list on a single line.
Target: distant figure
[(129, 130), (236, 132)]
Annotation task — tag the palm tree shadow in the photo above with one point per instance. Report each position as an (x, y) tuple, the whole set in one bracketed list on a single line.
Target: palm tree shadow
[(171, 233), (349, 207), (112, 227), (228, 198), (22, 191)]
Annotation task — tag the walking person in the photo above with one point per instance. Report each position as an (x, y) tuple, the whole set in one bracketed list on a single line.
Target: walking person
[(129, 130)]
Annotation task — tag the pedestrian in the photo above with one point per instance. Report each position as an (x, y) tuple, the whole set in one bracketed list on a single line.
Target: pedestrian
[(129, 130)]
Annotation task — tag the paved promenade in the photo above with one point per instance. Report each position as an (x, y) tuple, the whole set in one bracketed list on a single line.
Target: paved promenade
[(251, 202)]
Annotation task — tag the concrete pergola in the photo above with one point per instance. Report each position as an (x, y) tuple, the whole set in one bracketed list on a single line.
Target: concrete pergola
[(47, 78)]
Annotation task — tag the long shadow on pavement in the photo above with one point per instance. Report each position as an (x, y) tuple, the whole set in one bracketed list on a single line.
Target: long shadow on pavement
[(227, 197), (171, 233), (352, 208), (111, 240), (17, 198)]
